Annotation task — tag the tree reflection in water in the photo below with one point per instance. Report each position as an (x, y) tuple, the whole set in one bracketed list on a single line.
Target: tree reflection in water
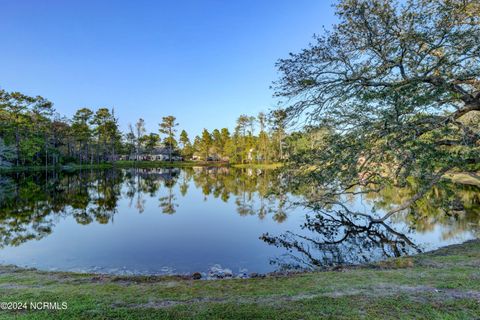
[(30, 203), (333, 232), (339, 237)]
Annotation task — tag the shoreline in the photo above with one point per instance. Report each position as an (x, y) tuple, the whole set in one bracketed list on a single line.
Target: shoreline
[(139, 164), (444, 283), (226, 274)]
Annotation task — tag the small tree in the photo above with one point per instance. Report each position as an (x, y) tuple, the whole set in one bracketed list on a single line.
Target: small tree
[(187, 149), (167, 127), (278, 119), (263, 139), (130, 141), (151, 142), (205, 143), (82, 132), (140, 132)]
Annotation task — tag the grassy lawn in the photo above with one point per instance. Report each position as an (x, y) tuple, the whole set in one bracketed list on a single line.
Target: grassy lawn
[(259, 165), (119, 164), (444, 284), (142, 164)]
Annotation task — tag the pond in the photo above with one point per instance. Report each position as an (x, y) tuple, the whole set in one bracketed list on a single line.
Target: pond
[(216, 221)]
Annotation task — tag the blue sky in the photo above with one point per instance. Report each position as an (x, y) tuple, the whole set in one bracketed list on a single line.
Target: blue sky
[(203, 61)]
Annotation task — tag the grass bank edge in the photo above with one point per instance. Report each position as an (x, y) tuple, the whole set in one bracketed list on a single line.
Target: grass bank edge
[(138, 164), (442, 284)]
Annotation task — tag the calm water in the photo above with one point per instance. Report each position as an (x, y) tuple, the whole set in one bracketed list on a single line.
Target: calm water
[(176, 221)]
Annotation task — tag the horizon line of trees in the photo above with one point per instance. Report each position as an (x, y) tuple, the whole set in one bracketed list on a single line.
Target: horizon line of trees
[(33, 134)]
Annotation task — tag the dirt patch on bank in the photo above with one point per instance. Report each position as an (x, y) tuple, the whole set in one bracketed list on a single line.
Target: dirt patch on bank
[(419, 293)]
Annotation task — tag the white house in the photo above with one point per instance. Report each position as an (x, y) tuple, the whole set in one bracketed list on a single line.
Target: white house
[(158, 154)]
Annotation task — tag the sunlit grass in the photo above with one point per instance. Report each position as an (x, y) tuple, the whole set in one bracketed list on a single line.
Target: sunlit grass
[(440, 285)]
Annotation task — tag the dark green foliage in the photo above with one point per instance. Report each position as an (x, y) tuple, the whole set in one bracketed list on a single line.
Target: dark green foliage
[(32, 136), (397, 84)]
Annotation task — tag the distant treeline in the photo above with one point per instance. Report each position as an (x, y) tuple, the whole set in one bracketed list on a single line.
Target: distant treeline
[(33, 134)]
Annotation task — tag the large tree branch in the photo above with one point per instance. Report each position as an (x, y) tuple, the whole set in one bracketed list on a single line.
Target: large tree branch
[(416, 197)]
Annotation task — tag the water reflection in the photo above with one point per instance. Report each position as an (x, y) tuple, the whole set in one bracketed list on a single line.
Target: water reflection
[(455, 207), (30, 201), (338, 229), (348, 228), (339, 237)]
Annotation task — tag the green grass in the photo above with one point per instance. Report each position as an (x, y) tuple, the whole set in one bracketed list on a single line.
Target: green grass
[(141, 164), (274, 165), (117, 164), (444, 284)]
